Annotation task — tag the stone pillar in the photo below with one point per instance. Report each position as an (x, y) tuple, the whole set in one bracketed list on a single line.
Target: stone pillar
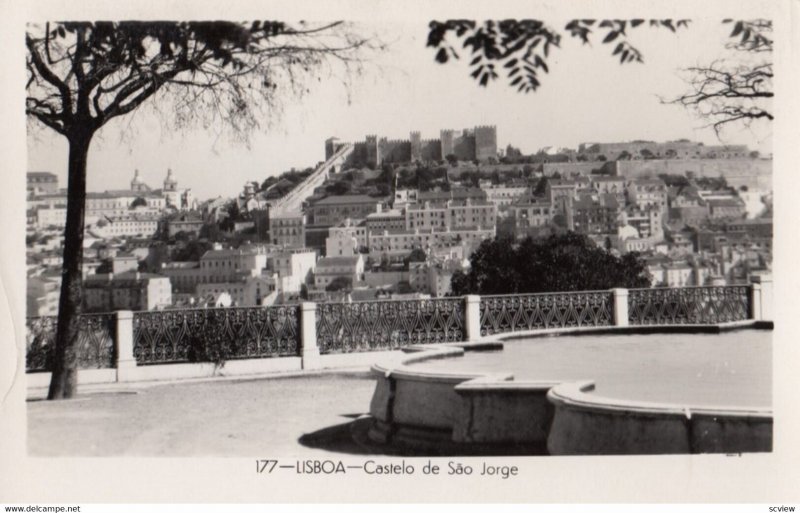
[(620, 307), (126, 362), (309, 351), (755, 301), (472, 317), (765, 282)]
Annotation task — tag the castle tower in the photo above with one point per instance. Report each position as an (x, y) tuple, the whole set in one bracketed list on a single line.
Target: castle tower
[(485, 142), (170, 184), (448, 147), (373, 151), (416, 146), (331, 146)]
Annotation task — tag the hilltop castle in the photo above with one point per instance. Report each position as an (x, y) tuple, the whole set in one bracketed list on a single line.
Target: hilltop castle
[(479, 143)]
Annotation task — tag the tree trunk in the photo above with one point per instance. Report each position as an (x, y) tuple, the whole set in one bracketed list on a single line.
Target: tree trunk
[(64, 379)]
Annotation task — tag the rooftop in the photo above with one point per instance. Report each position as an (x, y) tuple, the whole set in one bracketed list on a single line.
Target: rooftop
[(348, 200), (42, 174), (338, 260)]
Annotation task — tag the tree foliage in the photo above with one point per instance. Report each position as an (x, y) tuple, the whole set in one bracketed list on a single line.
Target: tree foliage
[(567, 262), (340, 283), (83, 74), (736, 90), (520, 49)]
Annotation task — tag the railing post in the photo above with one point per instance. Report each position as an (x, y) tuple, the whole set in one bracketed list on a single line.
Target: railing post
[(124, 345), (309, 351), (755, 301), (764, 283), (620, 307), (472, 317)]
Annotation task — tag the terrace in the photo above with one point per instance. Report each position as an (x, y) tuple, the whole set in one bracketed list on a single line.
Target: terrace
[(302, 347)]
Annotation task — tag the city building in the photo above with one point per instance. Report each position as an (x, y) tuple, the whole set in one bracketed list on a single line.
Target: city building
[(530, 212), (609, 185), (346, 239), (245, 290), (503, 195), (126, 291), (127, 225), (183, 222), (386, 221), (648, 192), (42, 295), (216, 266), (596, 214), (726, 208), (332, 210), (41, 183), (287, 229), (329, 268), (452, 214), (404, 242), (293, 268)]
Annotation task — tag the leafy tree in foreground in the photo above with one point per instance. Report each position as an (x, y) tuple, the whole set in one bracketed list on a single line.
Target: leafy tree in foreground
[(83, 75), (520, 48), (567, 262), (737, 90)]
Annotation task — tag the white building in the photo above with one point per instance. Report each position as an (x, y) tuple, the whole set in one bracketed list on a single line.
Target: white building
[(330, 268), (42, 295), (346, 239), (405, 242), (245, 291), (453, 214), (129, 225), (503, 195), (217, 266), (294, 268)]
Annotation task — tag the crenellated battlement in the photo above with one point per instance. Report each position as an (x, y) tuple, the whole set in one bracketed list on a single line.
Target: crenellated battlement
[(395, 142), (478, 143)]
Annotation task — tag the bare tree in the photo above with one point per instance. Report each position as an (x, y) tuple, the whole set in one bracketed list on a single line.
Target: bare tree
[(736, 90), (82, 75)]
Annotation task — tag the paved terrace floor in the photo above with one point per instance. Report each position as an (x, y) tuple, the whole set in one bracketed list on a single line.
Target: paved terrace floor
[(302, 414)]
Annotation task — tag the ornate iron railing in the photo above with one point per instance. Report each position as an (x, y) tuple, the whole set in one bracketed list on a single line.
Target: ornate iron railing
[(384, 325), (95, 342), (689, 305), (523, 312), (215, 334)]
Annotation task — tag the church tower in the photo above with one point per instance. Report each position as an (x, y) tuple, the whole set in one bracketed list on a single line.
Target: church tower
[(170, 185), (136, 184)]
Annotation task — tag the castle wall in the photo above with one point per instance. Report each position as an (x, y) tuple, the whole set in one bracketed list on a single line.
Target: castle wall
[(480, 143), (395, 151), (431, 149), (567, 169), (752, 172)]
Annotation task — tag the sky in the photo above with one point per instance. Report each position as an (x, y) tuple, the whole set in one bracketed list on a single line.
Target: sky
[(587, 97)]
